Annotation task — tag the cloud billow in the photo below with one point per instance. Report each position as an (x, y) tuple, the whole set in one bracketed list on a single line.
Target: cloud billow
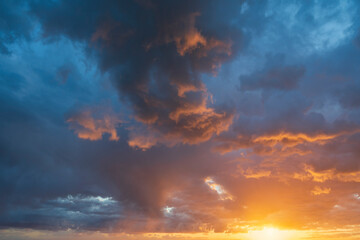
[(155, 53)]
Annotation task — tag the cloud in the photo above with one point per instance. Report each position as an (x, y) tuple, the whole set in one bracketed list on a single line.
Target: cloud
[(142, 142), (86, 212), (88, 127), (319, 190), (349, 97), (187, 38), (293, 139), (14, 25), (157, 67), (328, 175), (223, 194), (279, 77), (357, 40), (288, 135)]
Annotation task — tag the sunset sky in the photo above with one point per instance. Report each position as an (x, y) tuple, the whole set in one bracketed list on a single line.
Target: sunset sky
[(179, 120)]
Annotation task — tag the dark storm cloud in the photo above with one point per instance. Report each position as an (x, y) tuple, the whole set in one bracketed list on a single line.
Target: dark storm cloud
[(155, 53)]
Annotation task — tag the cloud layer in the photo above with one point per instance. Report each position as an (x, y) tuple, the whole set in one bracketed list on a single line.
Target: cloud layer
[(179, 117)]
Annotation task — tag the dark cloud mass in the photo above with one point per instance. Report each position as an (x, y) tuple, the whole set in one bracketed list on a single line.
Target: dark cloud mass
[(213, 116), (155, 54), (274, 77)]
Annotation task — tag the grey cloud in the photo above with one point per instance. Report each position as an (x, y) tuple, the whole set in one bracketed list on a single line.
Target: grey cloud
[(283, 78), (14, 25), (275, 75)]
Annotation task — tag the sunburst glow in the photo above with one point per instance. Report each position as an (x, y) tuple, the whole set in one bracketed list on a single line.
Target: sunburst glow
[(270, 233)]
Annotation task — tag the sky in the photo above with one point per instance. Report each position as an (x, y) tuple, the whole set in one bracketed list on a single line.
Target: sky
[(192, 119)]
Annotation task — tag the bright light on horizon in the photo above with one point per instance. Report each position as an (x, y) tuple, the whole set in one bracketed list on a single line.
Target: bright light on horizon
[(270, 233)]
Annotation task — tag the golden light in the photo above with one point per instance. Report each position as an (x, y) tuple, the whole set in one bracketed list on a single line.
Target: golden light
[(269, 233)]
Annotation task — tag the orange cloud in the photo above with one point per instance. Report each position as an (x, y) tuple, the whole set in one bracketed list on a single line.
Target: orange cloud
[(188, 39), (189, 42), (185, 35), (142, 142), (192, 127), (288, 138), (184, 88), (198, 122), (90, 128), (190, 108), (192, 121), (251, 173), (320, 190), (201, 127), (282, 143), (330, 174)]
